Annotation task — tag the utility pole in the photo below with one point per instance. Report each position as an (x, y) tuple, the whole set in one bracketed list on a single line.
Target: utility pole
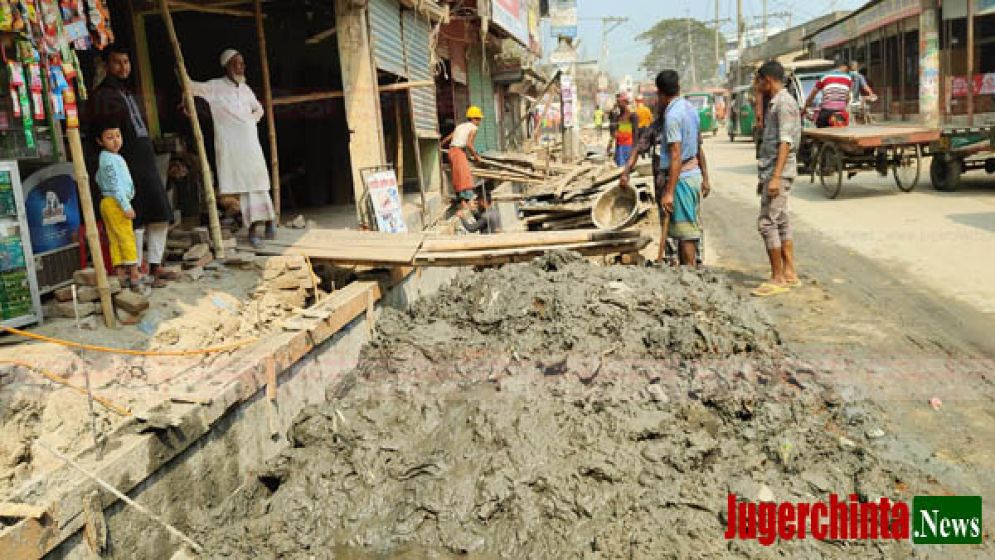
[(716, 23), (765, 20), (608, 24), (739, 41), (694, 72)]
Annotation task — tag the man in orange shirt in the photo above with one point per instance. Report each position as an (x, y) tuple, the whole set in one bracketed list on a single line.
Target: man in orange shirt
[(644, 113)]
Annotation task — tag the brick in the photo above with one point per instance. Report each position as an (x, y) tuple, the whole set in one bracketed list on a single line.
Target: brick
[(285, 282), (64, 309), (131, 302), (126, 318), (85, 277), (199, 263), (197, 252), (200, 235), (179, 244), (192, 274)]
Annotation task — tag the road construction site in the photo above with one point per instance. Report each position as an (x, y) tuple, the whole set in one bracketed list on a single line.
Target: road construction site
[(561, 406)]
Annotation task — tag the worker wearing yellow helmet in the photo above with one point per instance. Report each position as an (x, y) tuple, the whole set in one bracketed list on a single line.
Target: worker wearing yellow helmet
[(460, 145)]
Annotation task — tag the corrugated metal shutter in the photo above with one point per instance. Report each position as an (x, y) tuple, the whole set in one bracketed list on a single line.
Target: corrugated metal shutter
[(419, 59), (482, 95), (385, 29)]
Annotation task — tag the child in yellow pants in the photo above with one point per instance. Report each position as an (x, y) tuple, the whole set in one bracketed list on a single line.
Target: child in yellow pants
[(118, 190)]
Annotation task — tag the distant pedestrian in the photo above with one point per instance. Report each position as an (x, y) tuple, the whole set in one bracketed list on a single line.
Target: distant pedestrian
[(680, 174), (835, 87), (461, 142), (644, 113), (599, 121), (778, 167), (623, 124)]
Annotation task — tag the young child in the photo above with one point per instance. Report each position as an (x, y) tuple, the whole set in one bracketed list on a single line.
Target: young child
[(117, 189)]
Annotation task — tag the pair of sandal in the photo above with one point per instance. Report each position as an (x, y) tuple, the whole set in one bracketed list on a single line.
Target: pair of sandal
[(768, 289), (257, 243)]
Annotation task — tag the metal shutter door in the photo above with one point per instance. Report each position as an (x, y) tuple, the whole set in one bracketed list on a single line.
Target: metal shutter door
[(385, 29), (419, 59)]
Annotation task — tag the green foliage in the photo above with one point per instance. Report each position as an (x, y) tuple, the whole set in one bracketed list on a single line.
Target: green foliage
[(670, 42)]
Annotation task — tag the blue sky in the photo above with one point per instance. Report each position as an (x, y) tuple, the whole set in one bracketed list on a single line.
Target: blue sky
[(625, 53)]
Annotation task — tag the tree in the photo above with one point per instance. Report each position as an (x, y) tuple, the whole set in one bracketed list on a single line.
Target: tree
[(671, 43)]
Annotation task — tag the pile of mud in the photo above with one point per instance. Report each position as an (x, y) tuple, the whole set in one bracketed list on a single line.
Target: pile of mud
[(560, 409)]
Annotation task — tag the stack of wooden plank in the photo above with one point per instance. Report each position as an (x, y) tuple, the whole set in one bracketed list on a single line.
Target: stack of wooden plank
[(566, 201), (504, 248), (371, 248)]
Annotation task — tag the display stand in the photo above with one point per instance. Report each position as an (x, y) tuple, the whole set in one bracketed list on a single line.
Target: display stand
[(20, 300)]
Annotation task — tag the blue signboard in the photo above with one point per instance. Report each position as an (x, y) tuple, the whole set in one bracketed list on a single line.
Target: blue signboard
[(51, 203)]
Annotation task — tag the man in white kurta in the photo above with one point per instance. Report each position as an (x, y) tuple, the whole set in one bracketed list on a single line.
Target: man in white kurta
[(240, 161)]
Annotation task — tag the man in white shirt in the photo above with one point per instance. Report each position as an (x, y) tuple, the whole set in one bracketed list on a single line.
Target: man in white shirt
[(239, 155)]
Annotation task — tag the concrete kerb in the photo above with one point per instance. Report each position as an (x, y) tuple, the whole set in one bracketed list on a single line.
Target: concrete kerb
[(134, 462)]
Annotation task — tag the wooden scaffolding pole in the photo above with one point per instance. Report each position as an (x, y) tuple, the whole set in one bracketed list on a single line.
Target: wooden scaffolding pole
[(198, 135), (274, 155), (90, 219)]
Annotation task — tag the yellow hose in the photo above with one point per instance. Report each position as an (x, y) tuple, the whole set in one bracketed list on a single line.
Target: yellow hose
[(122, 410), (127, 352)]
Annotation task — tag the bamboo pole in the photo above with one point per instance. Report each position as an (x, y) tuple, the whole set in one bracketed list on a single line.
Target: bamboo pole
[(90, 219), (274, 154), (198, 135), (399, 158)]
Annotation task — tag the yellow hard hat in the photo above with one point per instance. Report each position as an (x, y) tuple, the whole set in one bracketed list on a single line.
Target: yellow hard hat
[(474, 112)]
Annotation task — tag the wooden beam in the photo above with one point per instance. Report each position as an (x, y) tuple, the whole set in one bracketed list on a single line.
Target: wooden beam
[(319, 37), (198, 135), (323, 95), (274, 152), (90, 220), (219, 8), (21, 511), (146, 82)]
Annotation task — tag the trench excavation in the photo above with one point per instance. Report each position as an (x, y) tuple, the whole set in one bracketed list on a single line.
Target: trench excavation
[(561, 409)]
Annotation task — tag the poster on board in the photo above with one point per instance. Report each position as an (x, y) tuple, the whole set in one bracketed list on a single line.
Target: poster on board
[(385, 198), (512, 16)]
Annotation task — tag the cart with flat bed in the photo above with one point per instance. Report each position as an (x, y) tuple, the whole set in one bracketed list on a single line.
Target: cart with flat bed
[(960, 149), (839, 153)]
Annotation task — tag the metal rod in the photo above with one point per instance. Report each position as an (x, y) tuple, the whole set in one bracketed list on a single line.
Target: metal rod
[(121, 496)]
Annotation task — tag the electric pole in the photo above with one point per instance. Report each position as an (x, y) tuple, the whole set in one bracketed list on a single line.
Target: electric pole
[(739, 41), (716, 23), (765, 19), (694, 73)]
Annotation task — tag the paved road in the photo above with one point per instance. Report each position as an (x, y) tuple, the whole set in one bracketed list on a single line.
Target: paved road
[(898, 300), (945, 241)]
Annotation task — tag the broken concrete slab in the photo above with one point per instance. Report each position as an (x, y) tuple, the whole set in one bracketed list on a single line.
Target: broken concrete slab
[(131, 302), (85, 277), (197, 252)]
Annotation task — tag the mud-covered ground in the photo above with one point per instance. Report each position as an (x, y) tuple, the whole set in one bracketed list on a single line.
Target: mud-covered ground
[(561, 409)]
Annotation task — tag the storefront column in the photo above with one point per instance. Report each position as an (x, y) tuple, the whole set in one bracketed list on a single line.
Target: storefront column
[(362, 97), (930, 110)]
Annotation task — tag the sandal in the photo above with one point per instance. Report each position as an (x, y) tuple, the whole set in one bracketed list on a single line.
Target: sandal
[(793, 283), (256, 242), (159, 282), (767, 289)]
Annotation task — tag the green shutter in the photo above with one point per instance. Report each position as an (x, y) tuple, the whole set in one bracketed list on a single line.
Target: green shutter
[(482, 95)]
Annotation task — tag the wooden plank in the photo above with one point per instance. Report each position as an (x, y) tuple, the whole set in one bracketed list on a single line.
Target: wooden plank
[(520, 240), (462, 258), (871, 136)]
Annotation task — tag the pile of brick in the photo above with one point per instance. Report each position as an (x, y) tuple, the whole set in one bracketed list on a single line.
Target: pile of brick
[(129, 305), (286, 284)]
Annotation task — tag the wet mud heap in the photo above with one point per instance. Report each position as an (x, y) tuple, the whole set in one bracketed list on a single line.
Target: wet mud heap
[(561, 409)]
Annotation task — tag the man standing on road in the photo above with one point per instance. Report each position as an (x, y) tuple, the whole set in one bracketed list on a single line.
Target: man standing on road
[(113, 100), (680, 174), (644, 113), (778, 168), (240, 160)]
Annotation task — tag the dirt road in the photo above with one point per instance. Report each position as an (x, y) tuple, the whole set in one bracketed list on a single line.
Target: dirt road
[(899, 288)]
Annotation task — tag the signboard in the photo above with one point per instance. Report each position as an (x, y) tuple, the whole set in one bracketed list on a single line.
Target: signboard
[(385, 198), (875, 17), (568, 96), (512, 16), (51, 203), (984, 84), (563, 18)]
